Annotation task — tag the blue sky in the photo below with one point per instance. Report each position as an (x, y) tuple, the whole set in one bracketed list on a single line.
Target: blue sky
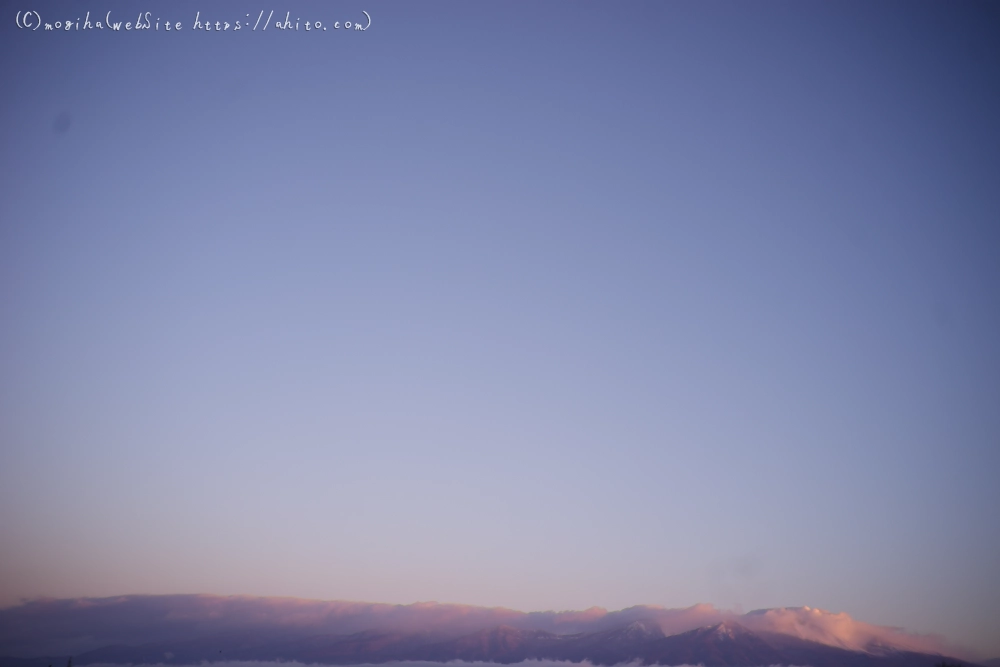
[(536, 305)]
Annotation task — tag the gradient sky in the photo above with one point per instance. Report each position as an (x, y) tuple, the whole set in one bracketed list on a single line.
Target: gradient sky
[(537, 305)]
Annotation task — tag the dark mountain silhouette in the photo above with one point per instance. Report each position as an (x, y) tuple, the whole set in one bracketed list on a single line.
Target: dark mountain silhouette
[(189, 630), (722, 644), (725, 644)]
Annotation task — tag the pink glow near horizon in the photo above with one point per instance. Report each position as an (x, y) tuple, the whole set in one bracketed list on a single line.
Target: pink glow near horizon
[(839, 629)]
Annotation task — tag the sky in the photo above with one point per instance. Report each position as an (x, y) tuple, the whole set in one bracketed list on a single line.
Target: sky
[(535, 305)]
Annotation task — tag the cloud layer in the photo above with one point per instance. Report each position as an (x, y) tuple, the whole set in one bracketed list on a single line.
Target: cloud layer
[(839, 630)]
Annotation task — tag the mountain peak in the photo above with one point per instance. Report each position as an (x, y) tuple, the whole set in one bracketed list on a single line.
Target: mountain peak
[(640, 630), (726, 631)]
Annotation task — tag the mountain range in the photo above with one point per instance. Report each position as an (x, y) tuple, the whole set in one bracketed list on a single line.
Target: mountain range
[(186, 630)]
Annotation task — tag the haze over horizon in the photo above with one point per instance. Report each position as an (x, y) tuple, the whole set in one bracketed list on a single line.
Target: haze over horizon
[(510, 304)]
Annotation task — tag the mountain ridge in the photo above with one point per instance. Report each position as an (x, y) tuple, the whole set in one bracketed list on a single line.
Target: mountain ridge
[(725, 644), (185, 630)]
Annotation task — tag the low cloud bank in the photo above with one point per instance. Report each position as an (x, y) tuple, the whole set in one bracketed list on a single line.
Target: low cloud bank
[(839, 630)]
